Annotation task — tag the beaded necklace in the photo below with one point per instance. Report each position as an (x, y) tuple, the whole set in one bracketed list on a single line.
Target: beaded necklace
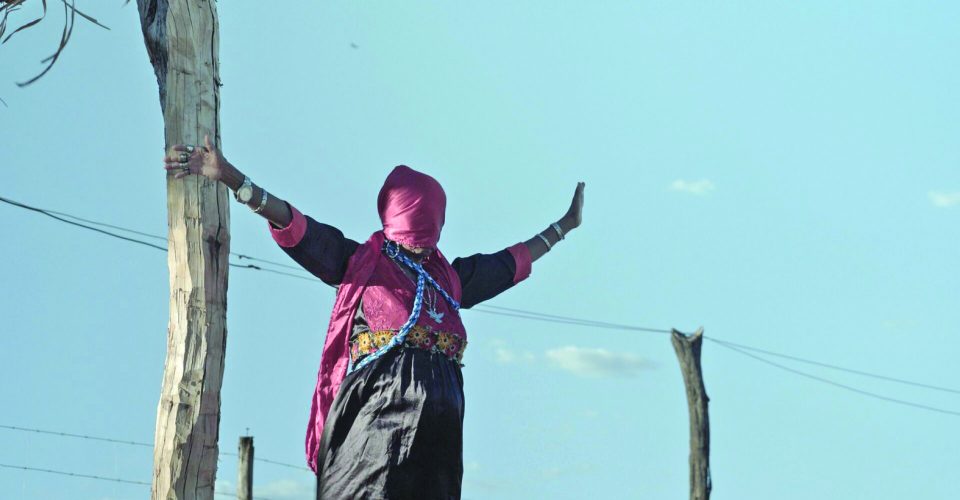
[(392, 250)]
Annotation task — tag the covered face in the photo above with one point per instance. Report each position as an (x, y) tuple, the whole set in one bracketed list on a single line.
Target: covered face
[(412, 207)]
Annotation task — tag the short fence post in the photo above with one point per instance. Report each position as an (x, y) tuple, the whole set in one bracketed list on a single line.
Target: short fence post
[(687, 348), (245, 478)]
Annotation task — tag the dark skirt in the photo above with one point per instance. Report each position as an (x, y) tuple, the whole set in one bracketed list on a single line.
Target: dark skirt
[(395, 430)]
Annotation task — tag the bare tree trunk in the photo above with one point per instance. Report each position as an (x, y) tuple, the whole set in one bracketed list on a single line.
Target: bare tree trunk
[(688, 352), (245, 466), (182, 40)]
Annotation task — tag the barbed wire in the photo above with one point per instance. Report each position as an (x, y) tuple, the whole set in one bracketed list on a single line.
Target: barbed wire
[(132, 443), (102, 478)]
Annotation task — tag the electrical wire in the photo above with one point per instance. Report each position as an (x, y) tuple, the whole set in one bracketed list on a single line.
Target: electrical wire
[(51, 213), (836, 384), (520, 313), (836, 367), (61, 219), (552, 318)]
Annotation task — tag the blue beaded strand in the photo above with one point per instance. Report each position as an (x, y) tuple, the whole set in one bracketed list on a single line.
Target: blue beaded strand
[(423, 277)]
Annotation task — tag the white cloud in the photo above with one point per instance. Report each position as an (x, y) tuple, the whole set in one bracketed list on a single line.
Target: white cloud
[(944, 199), (597, 362), (699, 188), (505, 355)]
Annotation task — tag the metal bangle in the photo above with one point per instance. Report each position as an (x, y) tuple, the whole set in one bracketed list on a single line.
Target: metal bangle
[(545, 240), (556, 227), (263, 202)]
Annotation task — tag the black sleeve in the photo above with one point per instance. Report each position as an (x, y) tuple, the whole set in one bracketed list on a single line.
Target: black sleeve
[(324, 251), (484, 276)]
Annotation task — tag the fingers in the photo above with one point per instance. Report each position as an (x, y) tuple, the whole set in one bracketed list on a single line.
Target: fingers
[(180, 152), (178, 170), (183, 159), (180, 157)]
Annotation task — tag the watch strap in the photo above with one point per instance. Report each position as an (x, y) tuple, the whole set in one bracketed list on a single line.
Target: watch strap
[(263, 201)]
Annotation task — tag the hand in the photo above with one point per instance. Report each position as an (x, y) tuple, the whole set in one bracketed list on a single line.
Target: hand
[(206, 161), (574, 215)]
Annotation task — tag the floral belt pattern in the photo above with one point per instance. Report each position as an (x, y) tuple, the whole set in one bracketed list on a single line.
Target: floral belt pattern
[(449, 344)]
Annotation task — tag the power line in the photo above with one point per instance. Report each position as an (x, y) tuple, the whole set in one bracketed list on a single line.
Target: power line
[(61, 219), (836, 367), (163, 238), (835, 384), (500, 311), (550, 318), (132, 443), (101, 478), (554, 318), (83, 223), (258, 268), (101, 224)]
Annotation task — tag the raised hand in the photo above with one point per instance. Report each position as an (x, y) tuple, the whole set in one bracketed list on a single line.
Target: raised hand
[(574, 215), (208, 161)]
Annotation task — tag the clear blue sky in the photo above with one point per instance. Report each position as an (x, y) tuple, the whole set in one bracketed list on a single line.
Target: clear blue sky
[(784, 174)]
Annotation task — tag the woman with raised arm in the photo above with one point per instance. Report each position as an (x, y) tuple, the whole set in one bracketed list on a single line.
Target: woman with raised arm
[(387, 413)]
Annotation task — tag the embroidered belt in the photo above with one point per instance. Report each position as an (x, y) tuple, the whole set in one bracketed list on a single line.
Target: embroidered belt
[(448, 344)]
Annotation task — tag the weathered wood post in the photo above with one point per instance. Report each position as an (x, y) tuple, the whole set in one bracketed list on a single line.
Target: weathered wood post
[(245, 473), (182, 41), (688, 352)]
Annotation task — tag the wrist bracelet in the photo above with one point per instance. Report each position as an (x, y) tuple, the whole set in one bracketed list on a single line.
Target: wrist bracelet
[(556, 227), (263, 202), (545, 240)]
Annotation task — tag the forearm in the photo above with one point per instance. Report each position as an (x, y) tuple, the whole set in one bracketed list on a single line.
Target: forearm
[(276, 210), (538, 247)]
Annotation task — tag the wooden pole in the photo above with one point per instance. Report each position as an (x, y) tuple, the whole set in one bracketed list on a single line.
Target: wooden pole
[(687, 348), (245, 477), (182, 41)]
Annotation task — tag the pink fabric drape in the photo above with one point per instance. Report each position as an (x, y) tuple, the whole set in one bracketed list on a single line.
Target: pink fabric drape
[(411, 206)]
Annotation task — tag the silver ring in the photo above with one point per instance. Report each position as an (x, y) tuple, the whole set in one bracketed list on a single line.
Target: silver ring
[(190, 148), (184, 157), (185, 167)]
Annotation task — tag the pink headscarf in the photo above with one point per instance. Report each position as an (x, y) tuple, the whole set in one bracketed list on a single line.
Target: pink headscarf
[(411, 206)]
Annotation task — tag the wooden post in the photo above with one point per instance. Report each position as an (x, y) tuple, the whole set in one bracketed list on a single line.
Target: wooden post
[(245, 477), (688, 352), (182, 41)]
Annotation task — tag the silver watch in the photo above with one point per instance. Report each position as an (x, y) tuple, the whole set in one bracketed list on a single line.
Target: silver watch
[(245, 192)]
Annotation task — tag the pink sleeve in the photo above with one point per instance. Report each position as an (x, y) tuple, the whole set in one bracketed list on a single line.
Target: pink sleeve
[(521, 255), (292, 234)]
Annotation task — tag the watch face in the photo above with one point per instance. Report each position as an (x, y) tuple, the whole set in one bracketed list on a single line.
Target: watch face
[(244, 194)]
